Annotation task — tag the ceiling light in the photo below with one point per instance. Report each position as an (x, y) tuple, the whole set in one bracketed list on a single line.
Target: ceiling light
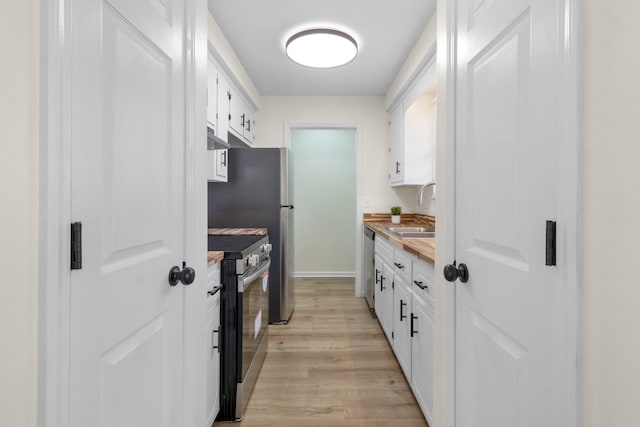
[(321, 48)]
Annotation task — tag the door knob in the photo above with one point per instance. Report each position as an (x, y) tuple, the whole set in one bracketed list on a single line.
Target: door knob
[(186, 276), (452, 273)]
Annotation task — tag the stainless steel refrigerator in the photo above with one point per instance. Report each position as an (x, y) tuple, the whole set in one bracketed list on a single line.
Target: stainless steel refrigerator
[(259, 193)]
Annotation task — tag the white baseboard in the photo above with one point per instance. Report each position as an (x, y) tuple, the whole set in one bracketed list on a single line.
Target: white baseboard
[(324, 274)]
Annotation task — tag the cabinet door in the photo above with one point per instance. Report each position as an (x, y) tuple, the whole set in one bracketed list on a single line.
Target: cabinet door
[(422, 356), (222, 165), (387, 305), (213, 365), (396, 137), (212, 96), (401, 324), (237, 113), (377, 287), (223, 108)]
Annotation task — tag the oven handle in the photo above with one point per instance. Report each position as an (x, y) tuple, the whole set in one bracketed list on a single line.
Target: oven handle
[(246, 281)]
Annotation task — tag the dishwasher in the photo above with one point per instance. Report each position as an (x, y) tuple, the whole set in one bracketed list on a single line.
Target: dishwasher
[(368, 263)]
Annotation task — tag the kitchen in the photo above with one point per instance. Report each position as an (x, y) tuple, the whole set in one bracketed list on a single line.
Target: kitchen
[(604, 310)]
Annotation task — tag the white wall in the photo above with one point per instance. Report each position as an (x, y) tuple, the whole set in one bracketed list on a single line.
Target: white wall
[(19, 23), (324, 173), (366, 111), (611, 291)]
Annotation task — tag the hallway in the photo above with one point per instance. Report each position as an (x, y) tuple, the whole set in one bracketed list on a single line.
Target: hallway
[(331, 366)]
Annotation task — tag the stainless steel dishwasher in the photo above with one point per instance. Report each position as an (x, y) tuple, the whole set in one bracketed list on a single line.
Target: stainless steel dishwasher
[(368, 261)]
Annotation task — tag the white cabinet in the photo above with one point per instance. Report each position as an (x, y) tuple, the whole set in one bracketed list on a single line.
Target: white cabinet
[(212, 341), (383, 294), (422, 336), (412, 133), (402, 297), (241, 117), (227, 110), (422, 354), (217, 165), (404, 301)]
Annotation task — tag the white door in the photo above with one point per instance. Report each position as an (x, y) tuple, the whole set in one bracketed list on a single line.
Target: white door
[(511, 365), (127, 138)]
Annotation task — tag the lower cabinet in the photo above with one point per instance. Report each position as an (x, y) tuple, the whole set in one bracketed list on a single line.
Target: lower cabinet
[(422, 355), (402, 324), (212, 348), (404, 304)]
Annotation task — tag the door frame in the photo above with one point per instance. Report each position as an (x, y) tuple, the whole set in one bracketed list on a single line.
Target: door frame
[(54, 212), (288, 127), (570, 166)]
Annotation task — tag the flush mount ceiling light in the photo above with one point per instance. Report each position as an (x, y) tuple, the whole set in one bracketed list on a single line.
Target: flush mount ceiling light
[(321, 48)]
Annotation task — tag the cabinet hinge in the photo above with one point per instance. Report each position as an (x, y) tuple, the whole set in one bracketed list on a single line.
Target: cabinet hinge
[(76, 246)]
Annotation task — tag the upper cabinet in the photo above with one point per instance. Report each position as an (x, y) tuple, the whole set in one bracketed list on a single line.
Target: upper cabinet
[(228, 111), (412, 133)]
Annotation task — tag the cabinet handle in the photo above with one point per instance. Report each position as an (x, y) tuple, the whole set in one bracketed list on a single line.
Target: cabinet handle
[(242, 120), (249, 125), (413, 318), (397, 167), (402, 316), (224, 158), (382, 288), (400, 266), (420, 285), (216, 346), (377, 278)]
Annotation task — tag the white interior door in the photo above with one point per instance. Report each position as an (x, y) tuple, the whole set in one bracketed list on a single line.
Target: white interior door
[(128, 133), (511, 365)]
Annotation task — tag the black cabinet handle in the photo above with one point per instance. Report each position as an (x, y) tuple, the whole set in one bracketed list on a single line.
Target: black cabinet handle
[(402, 316), (217, 345), (382, 288), (397, 167), (413, 318), (400, 266), (224, 158), (420, 285), (377, 278), (242, 120)]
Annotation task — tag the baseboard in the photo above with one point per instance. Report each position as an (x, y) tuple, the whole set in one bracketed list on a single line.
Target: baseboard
[(324, 274)]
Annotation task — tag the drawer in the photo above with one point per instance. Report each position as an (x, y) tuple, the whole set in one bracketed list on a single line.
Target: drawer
[(402, 263), (423, 278), (384, 249)]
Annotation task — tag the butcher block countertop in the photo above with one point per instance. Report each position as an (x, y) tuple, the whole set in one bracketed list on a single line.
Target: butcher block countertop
[(424, 249), (238, 231), (214, 256)]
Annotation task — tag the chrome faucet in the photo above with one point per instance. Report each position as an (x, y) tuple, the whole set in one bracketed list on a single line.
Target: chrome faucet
[(424, 187)]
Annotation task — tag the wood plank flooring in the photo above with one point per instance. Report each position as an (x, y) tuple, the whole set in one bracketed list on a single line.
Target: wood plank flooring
[(331, 366)]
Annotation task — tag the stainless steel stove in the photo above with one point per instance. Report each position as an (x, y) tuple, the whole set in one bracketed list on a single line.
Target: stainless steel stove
[(244, 278)]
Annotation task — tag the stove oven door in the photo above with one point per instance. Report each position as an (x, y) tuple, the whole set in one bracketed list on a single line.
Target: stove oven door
[(254, 301)]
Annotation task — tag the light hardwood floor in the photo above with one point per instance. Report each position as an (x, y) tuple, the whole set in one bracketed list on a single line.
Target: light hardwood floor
[(331, 366)]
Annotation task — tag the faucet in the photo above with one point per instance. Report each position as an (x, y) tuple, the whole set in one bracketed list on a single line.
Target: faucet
[(421, 192)]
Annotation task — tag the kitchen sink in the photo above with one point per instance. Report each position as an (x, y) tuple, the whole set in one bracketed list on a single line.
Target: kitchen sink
[(413, 232)]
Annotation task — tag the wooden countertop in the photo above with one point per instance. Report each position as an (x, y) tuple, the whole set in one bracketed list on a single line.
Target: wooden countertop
[(424, 249), (214, 256), (238, 231)]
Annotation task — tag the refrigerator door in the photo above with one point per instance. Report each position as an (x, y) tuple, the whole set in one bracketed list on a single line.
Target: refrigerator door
[(287, 290), (286, 177)]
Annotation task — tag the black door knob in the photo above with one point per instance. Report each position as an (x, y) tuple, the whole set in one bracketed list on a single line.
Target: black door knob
[(186, 276), (453, 272), (450, 272)]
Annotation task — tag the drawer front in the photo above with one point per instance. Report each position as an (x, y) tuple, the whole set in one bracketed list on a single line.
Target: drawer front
[(424, 278), (402, 265), (384, 249)]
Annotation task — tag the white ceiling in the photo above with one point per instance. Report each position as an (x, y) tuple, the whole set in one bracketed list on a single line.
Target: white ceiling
[(385, 30)]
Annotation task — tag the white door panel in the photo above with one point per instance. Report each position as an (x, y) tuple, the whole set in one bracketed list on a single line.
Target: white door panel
[(126, 322), (508, 314)]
